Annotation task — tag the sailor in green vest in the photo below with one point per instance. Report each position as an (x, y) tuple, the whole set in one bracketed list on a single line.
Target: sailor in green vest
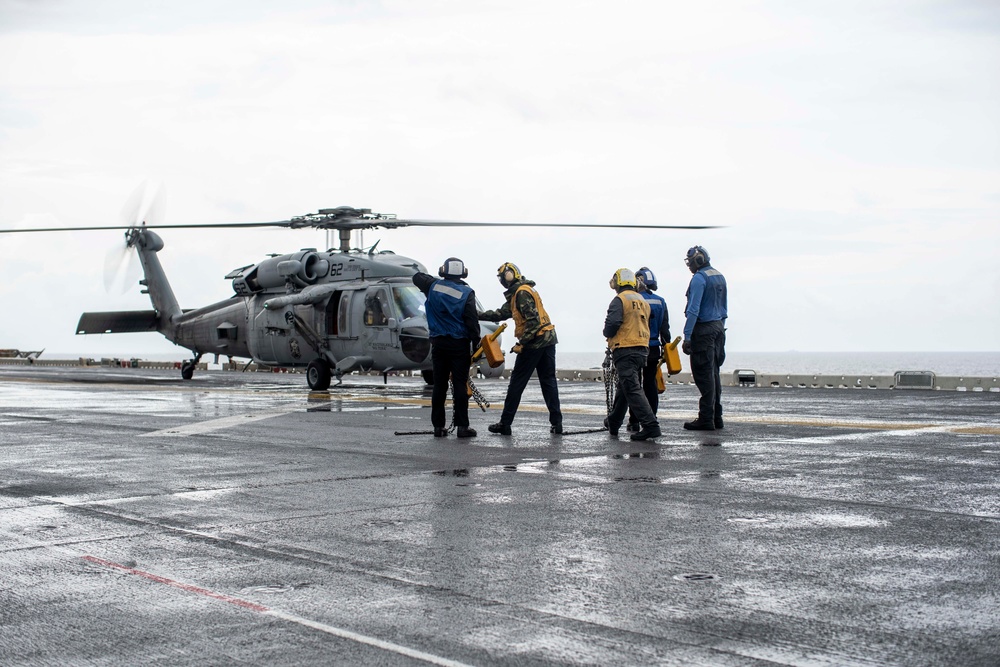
[(626, 327)]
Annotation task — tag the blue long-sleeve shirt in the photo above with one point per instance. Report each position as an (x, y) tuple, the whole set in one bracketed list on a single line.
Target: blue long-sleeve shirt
[(706, 299), (659, 319)]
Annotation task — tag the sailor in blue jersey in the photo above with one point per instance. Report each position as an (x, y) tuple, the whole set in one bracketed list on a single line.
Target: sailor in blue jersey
[(705, 336), (453, 325), (659, 335)]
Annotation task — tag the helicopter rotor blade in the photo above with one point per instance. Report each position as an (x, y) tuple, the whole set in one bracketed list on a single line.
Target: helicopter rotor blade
[(539, 225), (145, 206), (114, 268), (219, 225), (141, 209), (364, 224)]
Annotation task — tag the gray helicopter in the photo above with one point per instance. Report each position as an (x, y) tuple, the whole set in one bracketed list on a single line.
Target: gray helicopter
[(332, 312)]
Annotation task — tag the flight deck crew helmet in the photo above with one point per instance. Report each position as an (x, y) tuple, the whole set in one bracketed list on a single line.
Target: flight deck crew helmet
[(645, 277), (622, 278), (508, 274), (453, 267), (697, 258)]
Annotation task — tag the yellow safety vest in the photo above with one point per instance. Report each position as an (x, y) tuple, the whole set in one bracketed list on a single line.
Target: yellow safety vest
[(543, 317), (634, 331)]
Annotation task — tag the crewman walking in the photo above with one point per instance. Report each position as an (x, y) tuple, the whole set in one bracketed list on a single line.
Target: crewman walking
[(626, 327), (535, 347), (454, 332), (659, 335), (705, 336)]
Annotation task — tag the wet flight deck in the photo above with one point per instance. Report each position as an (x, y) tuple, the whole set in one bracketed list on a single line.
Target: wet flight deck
[(240, 519)]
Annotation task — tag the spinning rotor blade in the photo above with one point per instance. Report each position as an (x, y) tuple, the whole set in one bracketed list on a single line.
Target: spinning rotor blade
[(217, 225), (121, 269), (145, 206), (540, 225)]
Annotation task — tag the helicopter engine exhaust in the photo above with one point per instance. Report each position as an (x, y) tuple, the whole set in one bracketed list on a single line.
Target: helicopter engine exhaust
[(302, 268)]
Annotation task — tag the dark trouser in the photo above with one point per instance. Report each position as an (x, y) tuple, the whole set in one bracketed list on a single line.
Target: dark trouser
[(629, 362), (649, 382), (708, 352), (542, 359), (450, 357)]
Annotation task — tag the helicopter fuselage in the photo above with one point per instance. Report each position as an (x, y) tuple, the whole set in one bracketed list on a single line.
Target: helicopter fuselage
[(335, 311)]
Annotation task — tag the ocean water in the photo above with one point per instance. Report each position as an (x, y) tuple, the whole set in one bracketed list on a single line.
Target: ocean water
[(967, 364)]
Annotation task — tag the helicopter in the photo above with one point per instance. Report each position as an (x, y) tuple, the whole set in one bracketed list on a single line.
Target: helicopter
[(332, 312)]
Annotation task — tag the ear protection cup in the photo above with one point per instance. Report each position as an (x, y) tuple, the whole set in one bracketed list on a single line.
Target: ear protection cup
[(508, 273), (697, 257)]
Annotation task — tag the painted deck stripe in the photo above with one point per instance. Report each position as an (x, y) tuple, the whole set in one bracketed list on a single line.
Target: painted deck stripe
[(285, 616), (370, 641), (198, 428), (176, 584)]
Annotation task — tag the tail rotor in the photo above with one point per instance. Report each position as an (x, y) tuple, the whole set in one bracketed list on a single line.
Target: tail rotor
[(145, 206)]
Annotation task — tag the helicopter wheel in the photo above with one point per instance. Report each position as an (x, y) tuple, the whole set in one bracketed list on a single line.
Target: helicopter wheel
[(187, 370), (428, 376), (318, 374)]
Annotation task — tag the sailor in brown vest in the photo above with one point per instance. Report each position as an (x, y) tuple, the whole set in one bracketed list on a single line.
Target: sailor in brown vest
[(535, 348), (626, 327)]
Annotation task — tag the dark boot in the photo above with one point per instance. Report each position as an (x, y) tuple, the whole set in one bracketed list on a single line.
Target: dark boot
[(699, 425), (440, 432), (502, 429), (466, 432), (647, 433)]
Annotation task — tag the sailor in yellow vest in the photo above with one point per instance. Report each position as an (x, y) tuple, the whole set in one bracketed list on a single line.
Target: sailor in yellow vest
[(535, 348), (626, 327)]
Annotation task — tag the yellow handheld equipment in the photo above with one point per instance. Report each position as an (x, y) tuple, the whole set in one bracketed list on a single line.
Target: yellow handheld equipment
[(490, 346), (672, 357)]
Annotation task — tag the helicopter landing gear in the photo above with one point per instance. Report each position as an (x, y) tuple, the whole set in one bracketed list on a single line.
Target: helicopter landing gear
[(187, 368), (428, 376), (318, 374)]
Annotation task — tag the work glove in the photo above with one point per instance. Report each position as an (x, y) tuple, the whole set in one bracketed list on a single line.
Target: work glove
[(686, 347), (516, 349)]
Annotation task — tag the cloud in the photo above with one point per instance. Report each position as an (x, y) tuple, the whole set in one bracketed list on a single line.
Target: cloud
[(849, 149)]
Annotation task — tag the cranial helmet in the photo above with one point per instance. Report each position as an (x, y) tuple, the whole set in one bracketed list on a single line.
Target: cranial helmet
[(508, 273), (622, 278), (645, 277), (697, 258), (453, 267)]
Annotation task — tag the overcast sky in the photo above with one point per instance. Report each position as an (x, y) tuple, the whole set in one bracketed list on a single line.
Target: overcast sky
[(851, 149)]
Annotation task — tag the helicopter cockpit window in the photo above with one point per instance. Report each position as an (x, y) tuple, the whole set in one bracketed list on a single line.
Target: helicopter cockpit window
[(377, 308), (409, 301), (344, 315)]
